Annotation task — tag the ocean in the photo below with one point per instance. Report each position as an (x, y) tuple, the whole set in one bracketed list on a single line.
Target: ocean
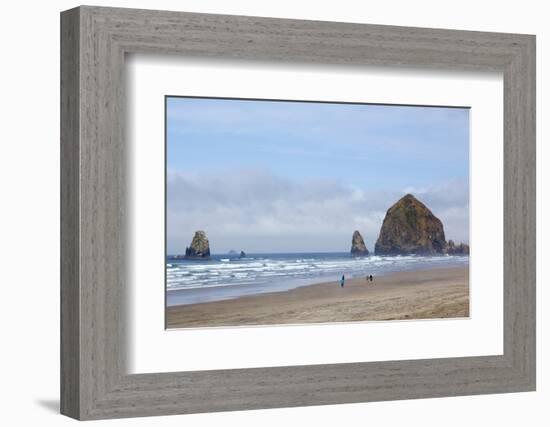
[(226, 277)]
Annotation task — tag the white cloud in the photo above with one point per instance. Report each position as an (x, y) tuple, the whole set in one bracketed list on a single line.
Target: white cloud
[(259, 212)]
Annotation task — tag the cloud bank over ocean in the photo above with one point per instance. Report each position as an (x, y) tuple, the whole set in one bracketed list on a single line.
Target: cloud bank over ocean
[(261, 212)]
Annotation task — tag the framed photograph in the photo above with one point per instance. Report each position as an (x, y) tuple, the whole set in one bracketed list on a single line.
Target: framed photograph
[(307, 188), (261, 213)]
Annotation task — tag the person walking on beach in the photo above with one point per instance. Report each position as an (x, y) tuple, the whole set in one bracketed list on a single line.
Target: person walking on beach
[(370, 277), (342, 280)]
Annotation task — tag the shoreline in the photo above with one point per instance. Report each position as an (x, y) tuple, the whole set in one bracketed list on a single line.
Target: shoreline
[(420, 294)]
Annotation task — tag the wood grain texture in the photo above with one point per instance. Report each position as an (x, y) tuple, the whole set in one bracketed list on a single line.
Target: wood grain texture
[(94, 382), (70, 220)]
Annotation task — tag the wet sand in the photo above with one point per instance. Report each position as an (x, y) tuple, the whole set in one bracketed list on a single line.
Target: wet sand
[(426, 294)]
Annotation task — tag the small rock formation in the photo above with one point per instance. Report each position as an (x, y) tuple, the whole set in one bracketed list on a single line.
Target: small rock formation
[(232, 252), (461, 249), (410, 228), (200, 247), (242, 255), (358, 247)]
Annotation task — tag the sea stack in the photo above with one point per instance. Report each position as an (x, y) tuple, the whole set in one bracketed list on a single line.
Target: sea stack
[(199, 248), (242, 255), (460, 249), (410, 228), (358, 247)]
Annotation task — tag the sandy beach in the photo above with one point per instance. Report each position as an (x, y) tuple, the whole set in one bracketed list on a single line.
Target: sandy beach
[(426, 294)]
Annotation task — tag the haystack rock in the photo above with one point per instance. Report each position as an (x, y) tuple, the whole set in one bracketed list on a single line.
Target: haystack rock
[(460, 249), (358, 247), (410, 228), (200, 247)]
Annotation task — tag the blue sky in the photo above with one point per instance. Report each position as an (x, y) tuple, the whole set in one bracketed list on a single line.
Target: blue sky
[(276, 176)]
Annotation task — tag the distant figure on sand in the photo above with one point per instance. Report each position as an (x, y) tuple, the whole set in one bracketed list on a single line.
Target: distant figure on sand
[(370, 277), (342, 280)]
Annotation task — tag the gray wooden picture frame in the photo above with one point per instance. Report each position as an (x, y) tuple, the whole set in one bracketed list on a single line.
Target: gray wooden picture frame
[(94, 381)]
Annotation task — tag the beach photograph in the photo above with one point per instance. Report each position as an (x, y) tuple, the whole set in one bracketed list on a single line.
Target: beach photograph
[(284, 212)]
